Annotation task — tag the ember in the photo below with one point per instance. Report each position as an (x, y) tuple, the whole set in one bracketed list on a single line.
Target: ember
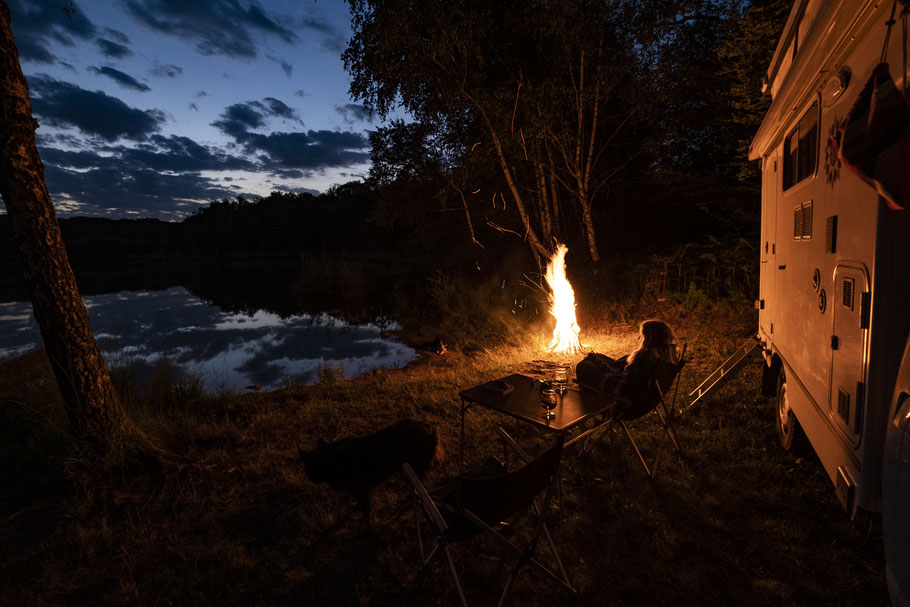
[(562, 305)]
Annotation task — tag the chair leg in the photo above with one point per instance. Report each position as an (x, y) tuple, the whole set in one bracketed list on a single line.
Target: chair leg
[(419, 534), (451, 561), (635, 446)]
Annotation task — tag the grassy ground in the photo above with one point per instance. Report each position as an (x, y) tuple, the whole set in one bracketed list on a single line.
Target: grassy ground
[(237, 522)]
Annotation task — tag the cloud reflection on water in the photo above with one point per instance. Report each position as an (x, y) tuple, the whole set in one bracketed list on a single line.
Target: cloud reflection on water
[(228, 350)]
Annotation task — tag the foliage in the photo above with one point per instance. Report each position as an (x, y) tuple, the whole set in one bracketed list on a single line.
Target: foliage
[(534, 89), (746, 55)]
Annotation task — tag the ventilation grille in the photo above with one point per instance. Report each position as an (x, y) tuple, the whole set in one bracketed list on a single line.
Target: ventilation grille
[(847, 298), (802, 221)]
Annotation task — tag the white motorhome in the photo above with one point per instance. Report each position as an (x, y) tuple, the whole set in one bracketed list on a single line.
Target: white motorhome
[(834, 302)]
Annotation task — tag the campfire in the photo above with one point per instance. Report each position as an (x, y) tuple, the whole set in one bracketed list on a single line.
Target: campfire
[(562, 305)]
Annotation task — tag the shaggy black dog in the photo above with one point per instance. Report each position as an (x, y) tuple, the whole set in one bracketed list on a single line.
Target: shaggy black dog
[(357, 464)]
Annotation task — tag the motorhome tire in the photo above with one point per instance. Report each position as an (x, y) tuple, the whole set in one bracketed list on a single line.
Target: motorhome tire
[(789, 432)]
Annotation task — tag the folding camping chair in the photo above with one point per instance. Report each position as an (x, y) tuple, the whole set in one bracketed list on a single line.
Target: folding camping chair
[(659, 398), (486, 501)]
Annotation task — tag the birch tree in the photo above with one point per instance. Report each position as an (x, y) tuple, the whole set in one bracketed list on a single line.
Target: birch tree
[(98, 421)]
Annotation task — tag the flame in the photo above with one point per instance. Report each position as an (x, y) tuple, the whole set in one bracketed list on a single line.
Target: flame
[(562, 305)]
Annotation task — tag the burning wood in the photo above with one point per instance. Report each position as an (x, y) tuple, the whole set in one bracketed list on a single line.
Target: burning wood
[(562, 305)]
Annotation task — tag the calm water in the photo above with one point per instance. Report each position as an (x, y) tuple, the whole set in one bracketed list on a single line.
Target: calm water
[(227, 349)]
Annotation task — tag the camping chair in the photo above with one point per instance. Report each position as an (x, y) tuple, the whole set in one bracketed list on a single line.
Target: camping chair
[(660, 398), (487, 500)]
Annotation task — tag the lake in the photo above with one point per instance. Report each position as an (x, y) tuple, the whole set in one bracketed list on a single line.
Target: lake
[(228, 349)]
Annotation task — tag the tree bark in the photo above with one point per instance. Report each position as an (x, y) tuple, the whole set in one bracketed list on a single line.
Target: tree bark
[(97, 418)]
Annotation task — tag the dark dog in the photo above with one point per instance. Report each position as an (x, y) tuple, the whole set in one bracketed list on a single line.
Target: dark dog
[(358, 464)]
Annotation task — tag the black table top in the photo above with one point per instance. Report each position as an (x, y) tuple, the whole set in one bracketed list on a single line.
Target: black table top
[(523, 402)]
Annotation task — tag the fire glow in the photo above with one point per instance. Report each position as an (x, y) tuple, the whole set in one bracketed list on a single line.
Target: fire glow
[(562, 305)]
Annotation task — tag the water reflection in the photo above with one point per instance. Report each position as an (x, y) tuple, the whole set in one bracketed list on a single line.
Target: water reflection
[(227, 349)]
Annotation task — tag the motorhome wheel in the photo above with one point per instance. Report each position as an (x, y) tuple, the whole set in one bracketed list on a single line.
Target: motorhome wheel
[(789, 432)]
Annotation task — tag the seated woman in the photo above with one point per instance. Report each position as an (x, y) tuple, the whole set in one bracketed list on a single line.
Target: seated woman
[(631, 376)]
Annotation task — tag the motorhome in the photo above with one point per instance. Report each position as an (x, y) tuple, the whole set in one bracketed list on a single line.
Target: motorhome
[(834, 300)]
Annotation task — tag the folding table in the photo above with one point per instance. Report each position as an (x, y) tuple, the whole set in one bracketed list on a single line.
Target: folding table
[(522, 401)]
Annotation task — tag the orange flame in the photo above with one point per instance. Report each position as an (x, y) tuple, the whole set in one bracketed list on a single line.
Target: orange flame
[(562, 305)]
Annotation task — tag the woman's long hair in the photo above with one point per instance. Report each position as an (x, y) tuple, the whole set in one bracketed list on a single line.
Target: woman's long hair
[(653, 334)]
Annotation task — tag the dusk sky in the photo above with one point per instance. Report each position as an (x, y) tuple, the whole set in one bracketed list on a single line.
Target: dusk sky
[(150, 108)]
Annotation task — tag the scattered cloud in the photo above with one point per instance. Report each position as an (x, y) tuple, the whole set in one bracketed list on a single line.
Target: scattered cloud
[(307, 151), (353, 112), (117, 35), (238, 119), (230, 28), (302, 93), (194, 107), (314, 19), (94, 113), (287, 67), (111, 49), (278, 108), (166, 70), (201, 94), (37, 22), (121, 78)]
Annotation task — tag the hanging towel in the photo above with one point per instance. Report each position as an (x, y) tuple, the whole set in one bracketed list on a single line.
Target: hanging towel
[(875, 143)]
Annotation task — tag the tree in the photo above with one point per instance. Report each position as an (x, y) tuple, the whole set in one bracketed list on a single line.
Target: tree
[(543, 83), (747, 53), (100, 426)]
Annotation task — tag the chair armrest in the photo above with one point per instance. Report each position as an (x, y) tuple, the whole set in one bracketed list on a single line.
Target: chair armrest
[(524, 455), (425, 498)]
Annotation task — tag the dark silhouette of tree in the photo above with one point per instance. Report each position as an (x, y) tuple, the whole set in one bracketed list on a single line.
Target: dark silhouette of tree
[(746, 54), (99, 424), (535, 87)]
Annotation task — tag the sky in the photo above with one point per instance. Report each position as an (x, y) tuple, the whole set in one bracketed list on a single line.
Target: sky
[(152, 108)]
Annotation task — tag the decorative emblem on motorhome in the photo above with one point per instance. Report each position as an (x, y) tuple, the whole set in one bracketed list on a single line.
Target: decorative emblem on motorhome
[(832, 160)]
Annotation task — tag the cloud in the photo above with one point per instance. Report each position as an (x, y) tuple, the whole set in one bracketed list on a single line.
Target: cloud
[(112, 49), (353, 112), (36, 23), (287, 67), (202, 94), (314, 19), (230, 28), (238, 119), (121, 78), (307, 151), (117, 35), (160, 177), (302, 93), (194, 107), (278, 108), (166, 71), (172, 153), (111, 192), (94, 113)]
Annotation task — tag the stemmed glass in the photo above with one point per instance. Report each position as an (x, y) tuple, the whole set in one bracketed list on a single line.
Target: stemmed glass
[(548, 400)]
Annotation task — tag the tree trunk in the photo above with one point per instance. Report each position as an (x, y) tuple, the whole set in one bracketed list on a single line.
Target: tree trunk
[(98, 421), (537, 248)]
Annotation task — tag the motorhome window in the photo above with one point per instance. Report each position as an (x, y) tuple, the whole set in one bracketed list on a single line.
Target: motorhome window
[(802, 221), (801, 149)]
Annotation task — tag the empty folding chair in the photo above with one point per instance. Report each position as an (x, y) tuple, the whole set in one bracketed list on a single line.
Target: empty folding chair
[(483, 502)]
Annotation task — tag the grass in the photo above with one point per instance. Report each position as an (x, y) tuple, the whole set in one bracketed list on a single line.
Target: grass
[(237, 522)]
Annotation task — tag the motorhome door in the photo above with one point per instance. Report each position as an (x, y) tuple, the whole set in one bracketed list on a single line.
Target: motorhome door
[(848, 349)]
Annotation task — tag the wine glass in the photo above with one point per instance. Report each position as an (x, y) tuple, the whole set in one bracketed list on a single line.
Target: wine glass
[(548, 402)]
